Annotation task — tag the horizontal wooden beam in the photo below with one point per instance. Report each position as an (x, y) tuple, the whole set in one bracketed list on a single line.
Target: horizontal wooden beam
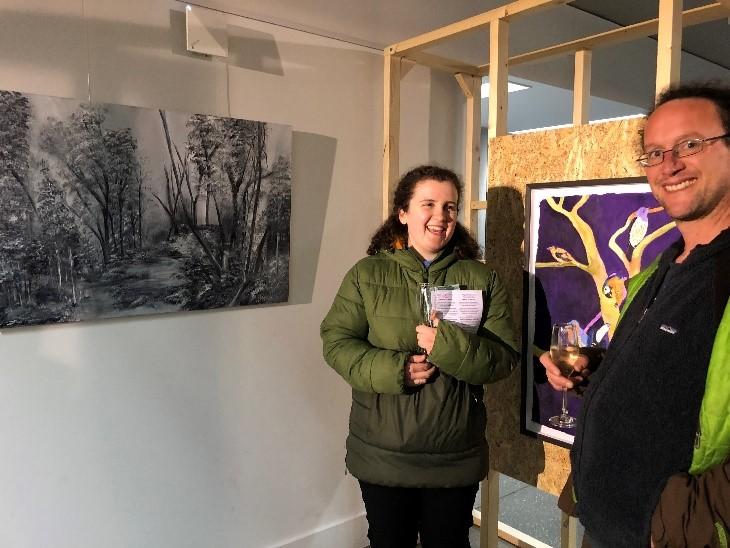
[(440, 63), (479, 204), (508, 533), (520, 7), (695, 16)]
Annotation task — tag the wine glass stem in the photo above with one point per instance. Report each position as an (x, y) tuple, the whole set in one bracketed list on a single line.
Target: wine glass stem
[(565, 405)]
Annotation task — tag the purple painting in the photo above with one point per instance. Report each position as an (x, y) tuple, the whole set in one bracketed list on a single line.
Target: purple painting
[(583, 241)]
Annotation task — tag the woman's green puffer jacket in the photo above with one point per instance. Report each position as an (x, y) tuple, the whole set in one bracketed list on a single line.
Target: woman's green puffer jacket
[(432, 435)]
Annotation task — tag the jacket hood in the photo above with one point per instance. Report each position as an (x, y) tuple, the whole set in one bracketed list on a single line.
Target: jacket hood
[(410, 259)]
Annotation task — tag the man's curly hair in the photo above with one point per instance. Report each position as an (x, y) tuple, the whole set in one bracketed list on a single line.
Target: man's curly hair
[(714, 91)]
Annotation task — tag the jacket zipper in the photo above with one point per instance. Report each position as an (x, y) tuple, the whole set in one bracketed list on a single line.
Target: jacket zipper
[(698, 436)]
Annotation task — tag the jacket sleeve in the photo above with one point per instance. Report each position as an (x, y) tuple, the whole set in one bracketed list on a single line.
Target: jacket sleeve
[(694, 510), (483, 357), (566, 500), (346, 349)]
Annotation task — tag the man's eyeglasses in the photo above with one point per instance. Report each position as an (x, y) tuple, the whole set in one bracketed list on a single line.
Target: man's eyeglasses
[(680, 150)]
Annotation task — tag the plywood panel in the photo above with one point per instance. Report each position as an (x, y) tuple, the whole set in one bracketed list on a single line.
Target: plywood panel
[(599, 151)]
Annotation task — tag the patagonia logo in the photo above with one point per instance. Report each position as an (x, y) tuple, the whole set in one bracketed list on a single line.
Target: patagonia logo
[(668, 329)]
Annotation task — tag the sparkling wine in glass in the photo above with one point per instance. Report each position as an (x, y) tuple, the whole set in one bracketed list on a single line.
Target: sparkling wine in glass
[(564, 351)]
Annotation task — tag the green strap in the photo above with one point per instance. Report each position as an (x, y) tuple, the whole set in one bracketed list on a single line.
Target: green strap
[(635, 283), (721, 534)]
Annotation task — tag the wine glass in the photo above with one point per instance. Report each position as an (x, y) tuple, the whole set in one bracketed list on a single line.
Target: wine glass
[(425, 306), (564, 351)]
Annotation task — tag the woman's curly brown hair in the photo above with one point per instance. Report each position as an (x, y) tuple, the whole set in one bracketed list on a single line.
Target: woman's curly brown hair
[(393, 235)]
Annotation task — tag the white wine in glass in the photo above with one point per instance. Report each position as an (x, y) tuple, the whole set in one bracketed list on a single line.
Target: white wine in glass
[(564, 352), (565, 358)]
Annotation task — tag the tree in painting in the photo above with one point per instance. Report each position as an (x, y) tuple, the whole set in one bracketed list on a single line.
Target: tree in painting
[(18, 252), (222, 192), (96, 169), (109, 211), (608, 286)]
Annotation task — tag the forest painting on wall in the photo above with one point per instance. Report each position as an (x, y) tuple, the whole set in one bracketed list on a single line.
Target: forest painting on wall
[(109, 211), (583, 241)]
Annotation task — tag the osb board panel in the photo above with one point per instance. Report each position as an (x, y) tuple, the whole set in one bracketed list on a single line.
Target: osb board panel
[(600, 151)]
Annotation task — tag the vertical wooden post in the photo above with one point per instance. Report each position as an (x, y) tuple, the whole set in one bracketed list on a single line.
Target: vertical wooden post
[(669, 43), (582, 87), (489, 528), (472, 88), (498, 55), (568, 531), (391, 128)]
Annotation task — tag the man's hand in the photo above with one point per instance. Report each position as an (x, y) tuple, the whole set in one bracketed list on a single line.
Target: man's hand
[(418, 370), (557, 380)]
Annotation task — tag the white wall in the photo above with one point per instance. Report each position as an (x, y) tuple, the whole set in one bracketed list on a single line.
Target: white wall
[(211, 429)]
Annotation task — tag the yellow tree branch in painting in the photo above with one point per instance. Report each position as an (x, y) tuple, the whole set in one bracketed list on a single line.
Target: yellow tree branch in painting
[(562, 258), (615, 247), (633, 264), (594, 265)]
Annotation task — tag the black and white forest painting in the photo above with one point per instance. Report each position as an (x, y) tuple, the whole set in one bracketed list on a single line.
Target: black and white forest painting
[(109, 211)]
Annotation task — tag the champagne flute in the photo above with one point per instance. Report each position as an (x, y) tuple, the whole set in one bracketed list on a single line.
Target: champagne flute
[(425, 306), (564, 351)]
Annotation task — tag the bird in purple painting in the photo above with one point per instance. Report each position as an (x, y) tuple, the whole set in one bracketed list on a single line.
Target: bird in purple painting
[(639, 226)]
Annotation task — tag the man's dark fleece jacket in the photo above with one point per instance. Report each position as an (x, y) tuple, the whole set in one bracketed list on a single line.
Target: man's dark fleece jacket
[(640, 414)]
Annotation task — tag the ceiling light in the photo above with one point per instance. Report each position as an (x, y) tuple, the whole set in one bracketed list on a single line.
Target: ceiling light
[(511, 86)]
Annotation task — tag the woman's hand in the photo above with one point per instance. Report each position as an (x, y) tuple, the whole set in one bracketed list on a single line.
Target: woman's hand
[(427, 335), (418, 370)]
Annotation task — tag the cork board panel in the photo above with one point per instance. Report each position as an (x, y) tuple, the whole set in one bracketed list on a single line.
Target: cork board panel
[(600, 151)]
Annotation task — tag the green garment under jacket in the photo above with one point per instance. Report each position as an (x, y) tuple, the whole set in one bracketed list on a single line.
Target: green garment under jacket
[(432, 435)]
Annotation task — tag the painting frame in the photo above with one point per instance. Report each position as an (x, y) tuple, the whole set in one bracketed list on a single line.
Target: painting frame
[(577, 217)]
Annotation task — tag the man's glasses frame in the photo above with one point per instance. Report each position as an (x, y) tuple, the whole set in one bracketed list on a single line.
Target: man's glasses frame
[(688, 147)]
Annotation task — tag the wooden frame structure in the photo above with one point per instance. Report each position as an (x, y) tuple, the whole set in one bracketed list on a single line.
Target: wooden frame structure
[(668, 28)]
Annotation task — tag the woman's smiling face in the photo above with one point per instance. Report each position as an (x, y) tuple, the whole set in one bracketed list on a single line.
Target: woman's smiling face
[(431, 216)]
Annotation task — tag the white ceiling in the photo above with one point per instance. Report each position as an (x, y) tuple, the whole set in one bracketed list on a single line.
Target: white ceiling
[(710, 41), (375, 23), (624, 73)]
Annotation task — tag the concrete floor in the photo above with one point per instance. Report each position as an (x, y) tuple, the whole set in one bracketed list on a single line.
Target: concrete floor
[(528, 510)]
